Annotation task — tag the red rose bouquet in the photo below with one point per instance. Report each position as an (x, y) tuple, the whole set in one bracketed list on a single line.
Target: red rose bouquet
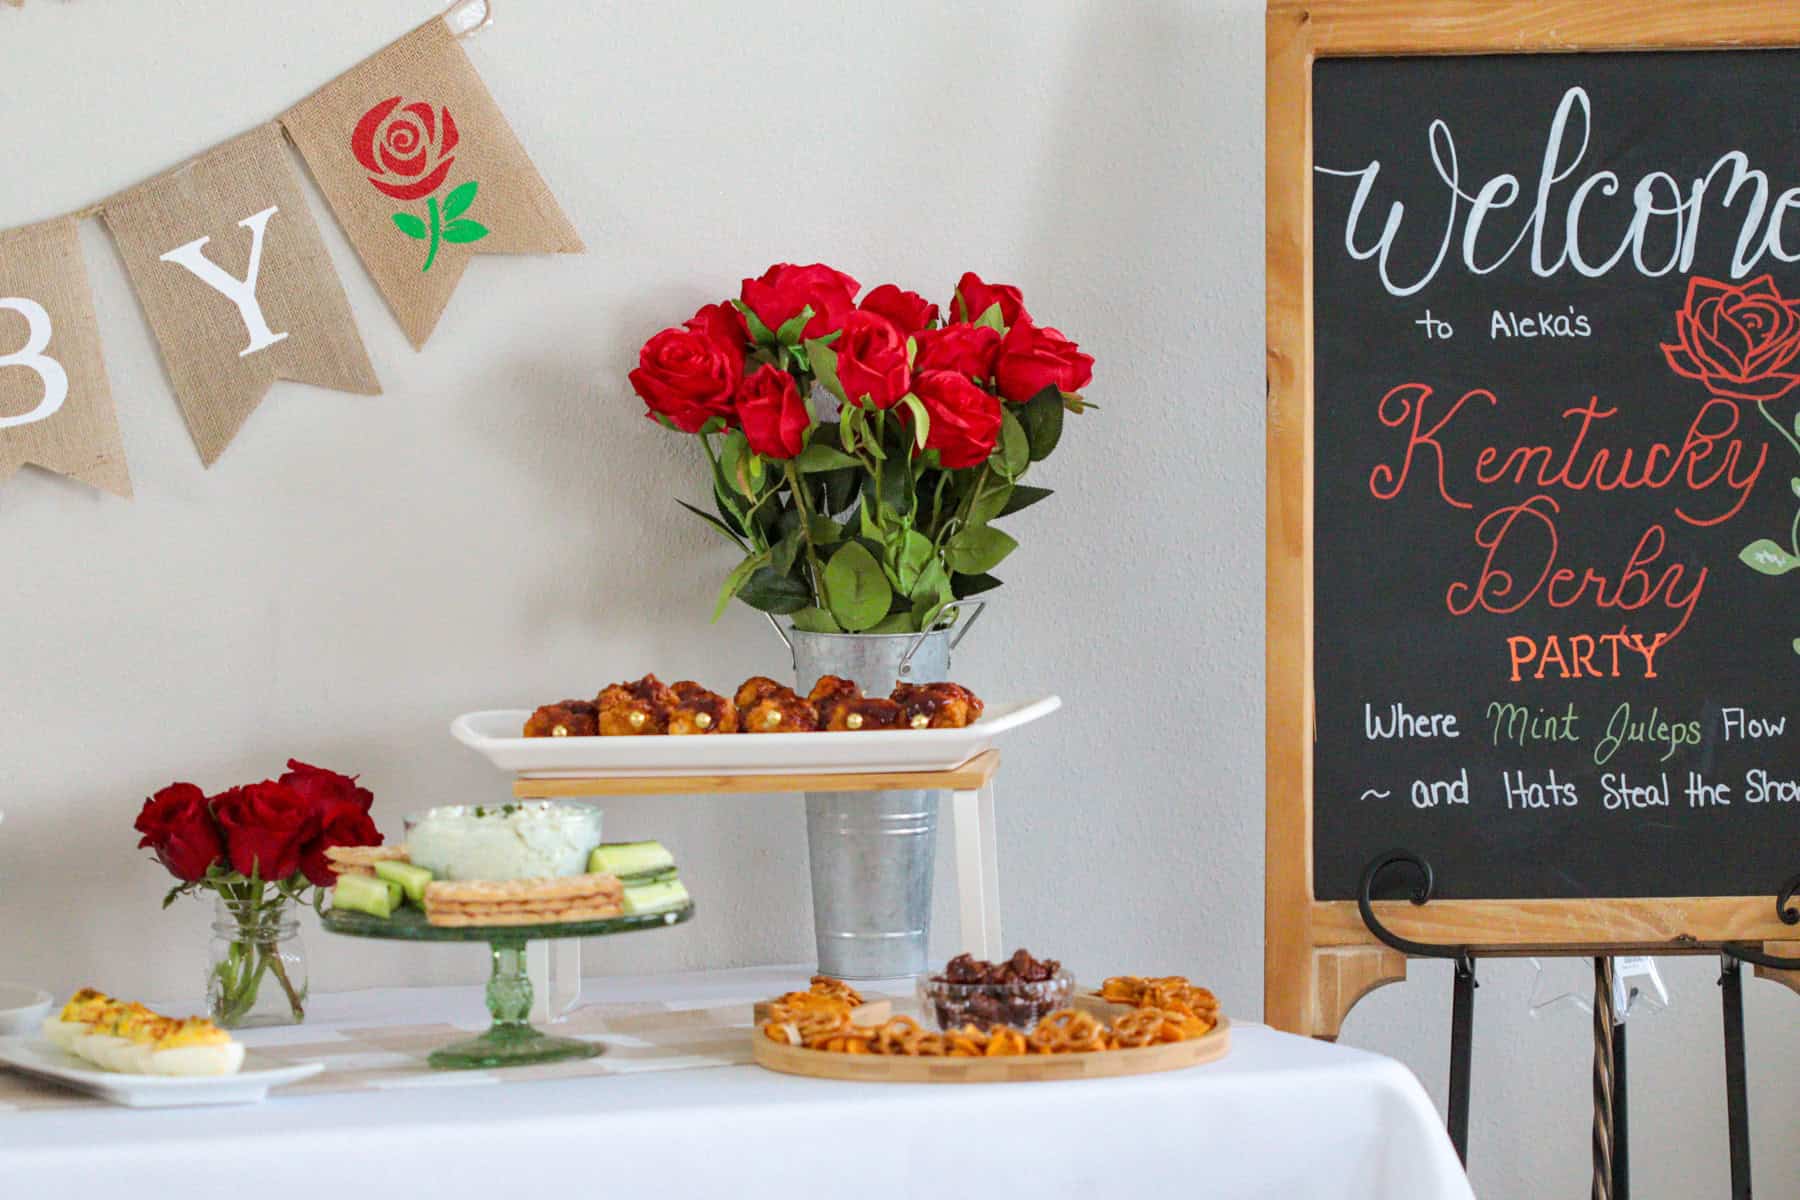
[(260, 849), (862, 451)]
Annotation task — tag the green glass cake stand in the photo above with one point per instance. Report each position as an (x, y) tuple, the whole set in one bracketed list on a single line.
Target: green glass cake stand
[(511, 1041)]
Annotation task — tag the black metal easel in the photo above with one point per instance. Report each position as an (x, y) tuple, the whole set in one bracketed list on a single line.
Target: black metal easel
[(1612, 1160)]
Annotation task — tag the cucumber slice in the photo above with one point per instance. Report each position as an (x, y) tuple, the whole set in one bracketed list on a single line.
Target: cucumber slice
[(655, 897), (630, 858), (396, 893), (412, 880), (662, 876), (364, 894)]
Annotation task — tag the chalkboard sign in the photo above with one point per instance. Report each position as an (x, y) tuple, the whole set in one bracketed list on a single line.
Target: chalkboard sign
[(1533, 480), (1556, 504)]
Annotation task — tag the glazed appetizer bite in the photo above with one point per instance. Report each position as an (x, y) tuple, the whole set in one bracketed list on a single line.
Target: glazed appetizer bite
[(565, 718), (698, 710), (635, 709), (861, 715), (937, 705), (774, 709)]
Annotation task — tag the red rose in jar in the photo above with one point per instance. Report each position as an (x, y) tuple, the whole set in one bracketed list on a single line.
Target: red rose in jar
[(178, 827), (871, 361), (1032, 359), (974, 297), (688, 376), (343, 812), (1741, 342), (724, 325), (965, 420), (773, 415), (405, 149), (967, 349), (781, 292), (267, 826), (908, 311)]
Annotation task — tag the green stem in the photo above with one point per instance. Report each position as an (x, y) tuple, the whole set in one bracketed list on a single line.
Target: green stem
[(806, 538), (437, 231), (1778, 427)]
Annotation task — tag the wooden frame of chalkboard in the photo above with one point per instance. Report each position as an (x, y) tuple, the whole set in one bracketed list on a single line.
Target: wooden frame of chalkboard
[(1320, 957)]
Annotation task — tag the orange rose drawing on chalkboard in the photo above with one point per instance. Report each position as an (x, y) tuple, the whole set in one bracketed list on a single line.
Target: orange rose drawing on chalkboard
[(408, 152), (1743, 343)]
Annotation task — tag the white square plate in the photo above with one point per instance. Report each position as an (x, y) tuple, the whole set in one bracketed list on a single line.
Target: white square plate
[(495, 735), (35, 1056)]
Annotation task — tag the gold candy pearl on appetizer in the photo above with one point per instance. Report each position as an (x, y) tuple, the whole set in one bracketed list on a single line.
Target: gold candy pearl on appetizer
[(863, 715), (635, 709), (700, 711), (566, 718)]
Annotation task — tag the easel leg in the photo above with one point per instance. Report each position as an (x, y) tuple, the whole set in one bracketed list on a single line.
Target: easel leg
[(1605, 1082), (1462, 1034), (1737, 1102), (1621, 1164), (977, 871)]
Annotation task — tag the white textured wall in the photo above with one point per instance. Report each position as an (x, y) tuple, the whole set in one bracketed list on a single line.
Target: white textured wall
[(499, 527)]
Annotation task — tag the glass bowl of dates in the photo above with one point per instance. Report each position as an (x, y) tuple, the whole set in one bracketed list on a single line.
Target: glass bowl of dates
[(1019, 992)]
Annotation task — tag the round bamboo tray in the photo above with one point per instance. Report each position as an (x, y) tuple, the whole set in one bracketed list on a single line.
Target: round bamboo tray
[(1020, 1068)]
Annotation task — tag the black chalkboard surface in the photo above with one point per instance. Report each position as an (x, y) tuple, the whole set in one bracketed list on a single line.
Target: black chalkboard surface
[(1557, 472)]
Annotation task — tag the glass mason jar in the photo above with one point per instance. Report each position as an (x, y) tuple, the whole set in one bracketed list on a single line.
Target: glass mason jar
[(257, 963)]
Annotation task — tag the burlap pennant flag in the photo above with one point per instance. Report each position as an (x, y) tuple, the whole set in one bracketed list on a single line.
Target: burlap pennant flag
[(56, 409), (423, 171), (234, 277)]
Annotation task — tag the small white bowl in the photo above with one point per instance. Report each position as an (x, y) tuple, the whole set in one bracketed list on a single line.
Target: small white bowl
[(22, 1009)]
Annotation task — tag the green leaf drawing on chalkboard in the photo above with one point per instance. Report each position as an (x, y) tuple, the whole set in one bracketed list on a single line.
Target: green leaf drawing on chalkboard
[(1765, 556), (1794, 485)]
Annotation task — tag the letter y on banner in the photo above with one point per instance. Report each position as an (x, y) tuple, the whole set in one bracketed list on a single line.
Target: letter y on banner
[(240, 292), (55, 408), (423, 171)]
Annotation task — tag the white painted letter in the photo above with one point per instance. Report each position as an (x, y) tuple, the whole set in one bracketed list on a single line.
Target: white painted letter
[(37, 337), (240, 292)]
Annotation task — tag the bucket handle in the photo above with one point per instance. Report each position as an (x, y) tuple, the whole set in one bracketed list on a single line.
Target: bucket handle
[(962, 630)]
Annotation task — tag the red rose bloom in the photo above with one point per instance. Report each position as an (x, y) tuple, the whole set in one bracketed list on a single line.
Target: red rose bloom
[(267, 827), (1742, 342), (343, 812), (965, 420), (973, 297), (179, 828), (774, 416), (724, 324), (909, 311), (871, 361), (966, 349), (688, 376), (1032, 359), (784, 289), (405, 150)]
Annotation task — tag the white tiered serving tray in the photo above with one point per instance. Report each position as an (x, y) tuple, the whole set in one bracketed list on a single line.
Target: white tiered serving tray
[(495, 735)]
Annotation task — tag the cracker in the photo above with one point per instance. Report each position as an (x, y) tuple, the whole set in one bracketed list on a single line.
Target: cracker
[(475, 917), (485, 891), (361, 860)]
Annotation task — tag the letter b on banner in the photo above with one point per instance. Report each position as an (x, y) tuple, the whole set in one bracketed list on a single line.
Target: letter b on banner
[(32, 358)]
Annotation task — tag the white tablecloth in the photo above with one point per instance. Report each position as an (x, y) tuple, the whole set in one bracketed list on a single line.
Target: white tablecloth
[(1280, 1117)]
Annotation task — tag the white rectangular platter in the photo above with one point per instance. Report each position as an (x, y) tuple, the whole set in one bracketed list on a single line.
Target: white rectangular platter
[(495, 735), (35, 1056)]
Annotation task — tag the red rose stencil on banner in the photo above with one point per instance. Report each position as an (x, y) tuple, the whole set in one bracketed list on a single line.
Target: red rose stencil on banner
[(415, 125)]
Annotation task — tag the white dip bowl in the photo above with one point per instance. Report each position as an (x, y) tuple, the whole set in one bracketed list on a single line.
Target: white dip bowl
[(528, 839)]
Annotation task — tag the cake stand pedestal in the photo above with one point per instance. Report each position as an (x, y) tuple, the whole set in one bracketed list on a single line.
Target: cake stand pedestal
[(511, 1041)]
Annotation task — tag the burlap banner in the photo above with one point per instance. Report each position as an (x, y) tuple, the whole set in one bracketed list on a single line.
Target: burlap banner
[(234, 277), (56, 410), (423, 171)]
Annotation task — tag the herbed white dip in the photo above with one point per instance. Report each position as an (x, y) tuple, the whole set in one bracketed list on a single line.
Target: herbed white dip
[(527, 840)]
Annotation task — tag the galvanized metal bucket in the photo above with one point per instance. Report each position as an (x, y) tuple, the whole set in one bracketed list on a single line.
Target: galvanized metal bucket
[(872, 853)]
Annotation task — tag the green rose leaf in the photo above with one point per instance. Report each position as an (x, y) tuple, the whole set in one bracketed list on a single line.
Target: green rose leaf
[(933, 584), (990, 502), (1765, 556), (824, 530), (1023, 496), (739, 576), (991, 318), (1042, 417), (789, 333), (896, 490), (458, 201), (411, 226), (821, 457), (823, 360), (972, 585), (857, 590), (740, 469), (815, 620), (907, 556), (783, 553), (717, 524), (464, 231), (978, 548), (921, 423), (772, 591), (900, 622), (1013, 453), (759, 333)]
